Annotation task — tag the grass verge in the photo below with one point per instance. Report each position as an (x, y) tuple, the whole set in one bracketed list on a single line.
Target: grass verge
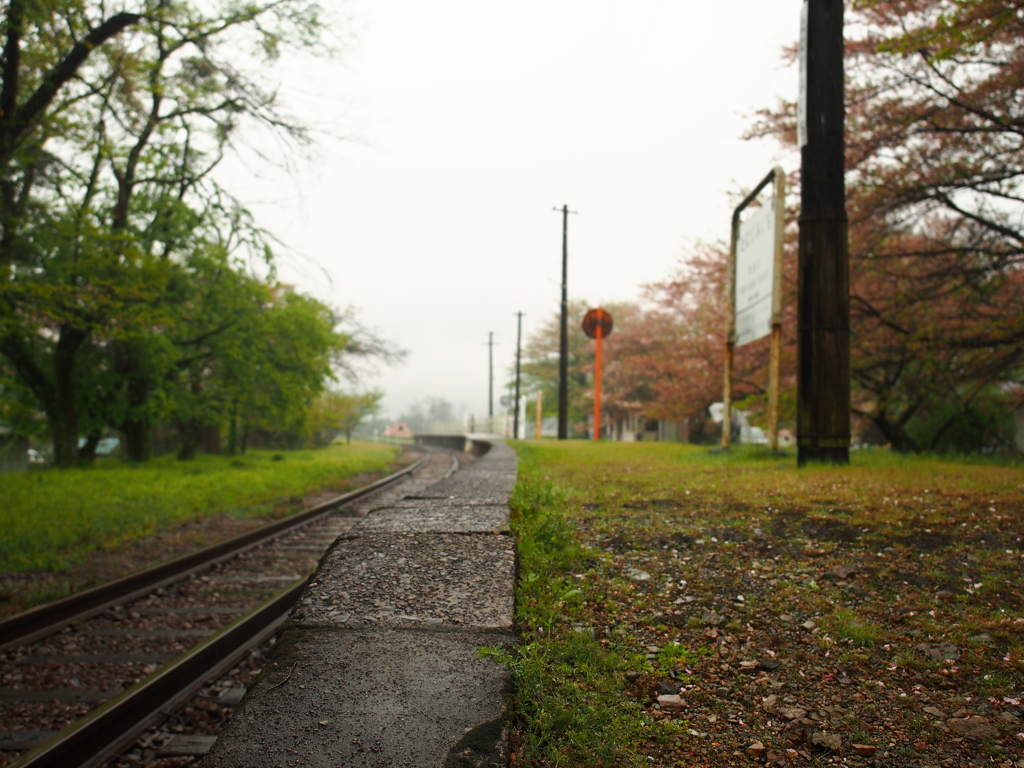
[(569, 689), (51, 519)]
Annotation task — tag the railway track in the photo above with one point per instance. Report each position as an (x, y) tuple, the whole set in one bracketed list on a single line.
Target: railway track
[(109, 670)]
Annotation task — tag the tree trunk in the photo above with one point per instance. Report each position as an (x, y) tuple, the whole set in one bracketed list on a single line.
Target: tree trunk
[(895, 433), (190, 431), (190, 425), (54, 388), (128, 361), (136, 433), (210, 438), (64, 434), (233, 429), (63, 414)]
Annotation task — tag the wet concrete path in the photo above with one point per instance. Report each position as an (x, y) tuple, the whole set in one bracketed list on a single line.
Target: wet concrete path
[(379, 664)]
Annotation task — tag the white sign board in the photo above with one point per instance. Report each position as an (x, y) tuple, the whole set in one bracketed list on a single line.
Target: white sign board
[(801, 104), (755, 274)]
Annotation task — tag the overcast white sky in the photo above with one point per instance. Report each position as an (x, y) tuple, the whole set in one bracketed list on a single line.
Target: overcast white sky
[(472, 120)]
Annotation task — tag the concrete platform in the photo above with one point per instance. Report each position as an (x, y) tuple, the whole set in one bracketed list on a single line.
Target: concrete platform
[(419, 517), (477, 481), (478, 490), (421, 502), (453, 500), (408, 579), (379, 664), (372, 698)]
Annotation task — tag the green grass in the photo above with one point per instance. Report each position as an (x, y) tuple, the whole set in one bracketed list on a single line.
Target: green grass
[(846, 625), (52, 518), (568, 688)]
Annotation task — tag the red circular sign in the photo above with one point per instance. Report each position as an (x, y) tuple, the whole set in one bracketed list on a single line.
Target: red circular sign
[(594, 318)]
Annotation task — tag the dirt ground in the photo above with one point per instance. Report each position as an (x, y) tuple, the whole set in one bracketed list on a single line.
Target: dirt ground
[(861, 617)]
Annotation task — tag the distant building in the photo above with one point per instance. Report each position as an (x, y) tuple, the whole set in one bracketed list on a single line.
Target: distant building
[(630, 429), (398, 430)]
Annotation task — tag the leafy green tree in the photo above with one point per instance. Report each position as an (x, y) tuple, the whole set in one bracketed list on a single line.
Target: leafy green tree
[(42, 323), (248, 354), (334, 413), (109, 129)]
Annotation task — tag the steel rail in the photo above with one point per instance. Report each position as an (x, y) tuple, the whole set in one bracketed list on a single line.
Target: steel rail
[(453, 468), (46, 619), (105, 732)]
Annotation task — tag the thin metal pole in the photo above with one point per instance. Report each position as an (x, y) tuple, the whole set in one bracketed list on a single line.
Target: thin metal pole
[(775, 353), (597, 385), (490, 374), (563, 355), (519, 342), (823, 315)]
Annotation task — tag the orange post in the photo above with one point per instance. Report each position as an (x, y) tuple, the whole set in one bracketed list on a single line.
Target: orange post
[(597, 324), (597, 387)]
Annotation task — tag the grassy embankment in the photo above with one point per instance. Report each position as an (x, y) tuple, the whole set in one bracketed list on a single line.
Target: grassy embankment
[(797, 612), (51, 519)]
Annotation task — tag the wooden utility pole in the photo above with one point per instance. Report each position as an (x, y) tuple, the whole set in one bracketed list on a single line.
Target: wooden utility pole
[(823, 314), (563, 355), (519, 343)]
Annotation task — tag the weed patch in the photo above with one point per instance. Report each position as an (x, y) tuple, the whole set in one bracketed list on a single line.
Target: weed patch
[(568, 688), (845, 625)]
